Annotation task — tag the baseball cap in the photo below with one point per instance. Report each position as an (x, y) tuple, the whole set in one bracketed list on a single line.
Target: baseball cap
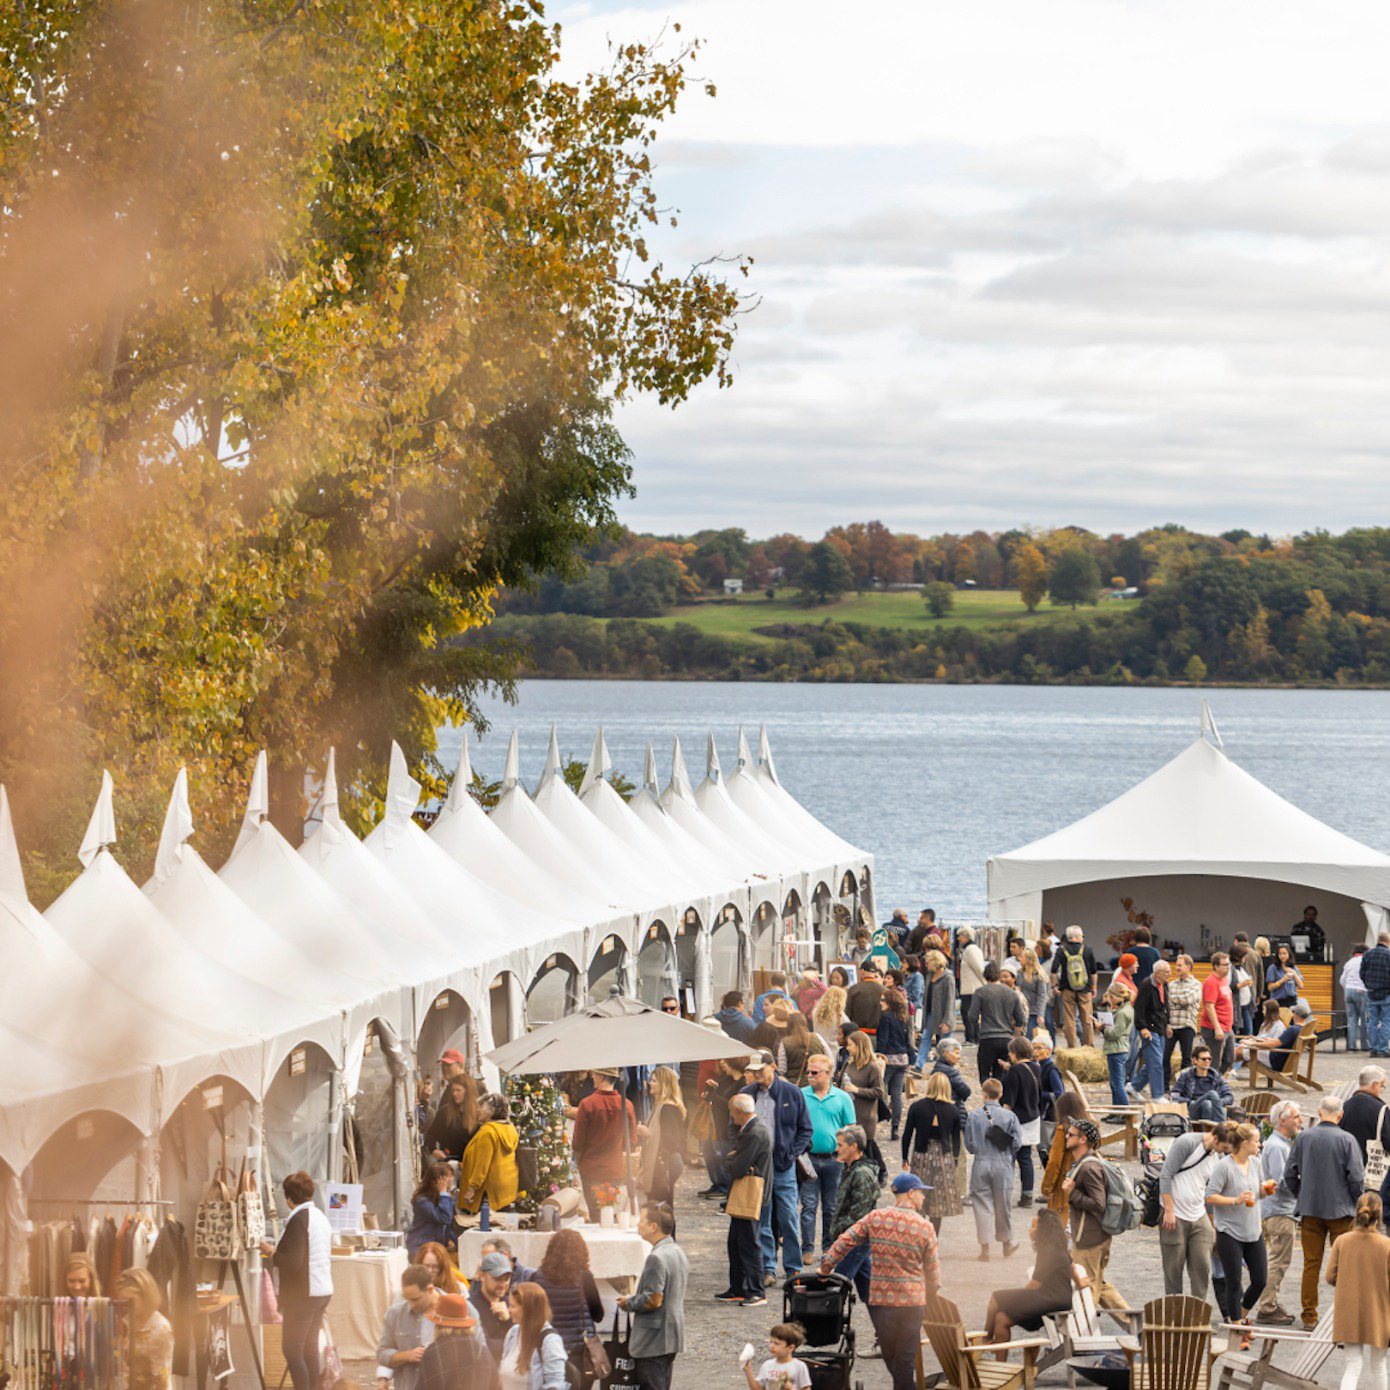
[(453, 1056), (908, 1182), (759, 1060), (495, 1263)]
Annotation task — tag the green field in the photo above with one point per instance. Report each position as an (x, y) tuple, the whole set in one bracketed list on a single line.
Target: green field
[(974, 608)]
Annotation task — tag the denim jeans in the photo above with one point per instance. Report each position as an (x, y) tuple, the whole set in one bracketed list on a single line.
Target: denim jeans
[(1378, 1016), (1153, 1075), (899, 1335), (781, 1207), (1207, 1107), (858, 1267), (1133, 1064), (925, 1045), (1050, 1021), (822, 1193), (1357, 1032), (1115, 1063), (302, 1320), (893, 1078), (714, 1152)]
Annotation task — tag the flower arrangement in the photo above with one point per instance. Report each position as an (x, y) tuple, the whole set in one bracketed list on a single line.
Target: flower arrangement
[(606, 1194)]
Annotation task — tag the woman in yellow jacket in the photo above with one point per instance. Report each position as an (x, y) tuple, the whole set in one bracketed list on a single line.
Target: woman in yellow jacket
[(489, 1162)]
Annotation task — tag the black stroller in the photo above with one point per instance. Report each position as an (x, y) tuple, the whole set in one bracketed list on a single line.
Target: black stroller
[(823, 1304)]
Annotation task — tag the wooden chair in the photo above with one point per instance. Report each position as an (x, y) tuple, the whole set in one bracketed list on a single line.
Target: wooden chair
[(1297, 1071), (1174, 1350), (1254, 1370), (1128, 1134), (1078, 1333), (967, 1361), (1257, 1107)]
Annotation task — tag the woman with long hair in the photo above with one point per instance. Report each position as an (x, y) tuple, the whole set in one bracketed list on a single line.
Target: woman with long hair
[(931, 1146), (1233, 1197), (1284, 978), (1359, 1269), (576, 1308), (663, 1137), (151, 1337), (893, 1043), (80, 1278), (533, 1354), (1048, 1291), (444, 1274), (1035, 989), (798, 1044), (432, 1210), (829, 1013), (863, 1082), (1023, 1095), (454, 1123)]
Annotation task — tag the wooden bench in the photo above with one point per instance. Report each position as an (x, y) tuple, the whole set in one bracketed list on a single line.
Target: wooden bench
[(1297, 1072), (1254, 1370)]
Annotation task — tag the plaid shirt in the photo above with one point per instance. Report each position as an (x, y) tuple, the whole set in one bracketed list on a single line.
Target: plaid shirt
[(902, 1248), (1184, 1002), (1375, 972)]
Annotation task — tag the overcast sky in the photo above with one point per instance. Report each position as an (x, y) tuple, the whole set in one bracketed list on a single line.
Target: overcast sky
[(1111, 264)]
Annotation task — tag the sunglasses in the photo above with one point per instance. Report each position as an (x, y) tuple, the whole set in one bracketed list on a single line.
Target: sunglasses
[(670, 1009)]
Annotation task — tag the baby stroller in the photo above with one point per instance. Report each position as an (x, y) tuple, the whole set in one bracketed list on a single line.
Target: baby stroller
[(1157, 1134), (824, 1305)]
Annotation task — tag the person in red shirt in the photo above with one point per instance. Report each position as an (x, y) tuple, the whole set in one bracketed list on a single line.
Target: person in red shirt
[(1217, 1017), (598, 1137)]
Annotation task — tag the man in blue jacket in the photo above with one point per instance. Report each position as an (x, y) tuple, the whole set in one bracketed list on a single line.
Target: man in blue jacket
[(782, 1109), (733, 1020)]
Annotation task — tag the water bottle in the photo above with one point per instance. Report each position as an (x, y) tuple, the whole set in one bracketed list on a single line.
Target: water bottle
[(484, 1215)]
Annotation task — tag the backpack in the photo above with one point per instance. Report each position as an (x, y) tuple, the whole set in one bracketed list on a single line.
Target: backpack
[(1123, 1205), (1078, 978)]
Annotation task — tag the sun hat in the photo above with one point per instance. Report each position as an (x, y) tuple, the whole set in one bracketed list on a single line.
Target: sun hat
[(452, 1310)]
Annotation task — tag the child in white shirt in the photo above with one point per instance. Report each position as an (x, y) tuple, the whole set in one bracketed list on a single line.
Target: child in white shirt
[(781, 1371)]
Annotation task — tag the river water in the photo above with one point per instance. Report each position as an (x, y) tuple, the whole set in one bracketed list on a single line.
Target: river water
[(934, 779)]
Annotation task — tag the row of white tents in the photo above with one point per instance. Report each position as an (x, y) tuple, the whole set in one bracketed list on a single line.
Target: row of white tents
[(272, 1002)]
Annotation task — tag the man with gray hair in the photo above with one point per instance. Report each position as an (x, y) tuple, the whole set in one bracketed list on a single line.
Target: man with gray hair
[(750, 1155), (1074, 982), (1325, 1174), (857, 1197), (1364, 1110), (1277, 1210)]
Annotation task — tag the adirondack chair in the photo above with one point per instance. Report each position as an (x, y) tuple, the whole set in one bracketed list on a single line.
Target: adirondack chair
[(1297, 1071), (1078, 1333), (1174, 1350), (1128, 1134), (967, 1361), (1255, 1369)]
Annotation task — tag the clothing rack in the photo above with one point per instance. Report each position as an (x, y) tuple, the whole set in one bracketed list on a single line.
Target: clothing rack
[(97, 1202)]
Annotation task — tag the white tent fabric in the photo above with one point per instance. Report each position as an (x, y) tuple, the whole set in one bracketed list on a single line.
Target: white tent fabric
[(1198, 814), (680, 844), (465, 831), (712, 797), (818, 838), (678, 800)]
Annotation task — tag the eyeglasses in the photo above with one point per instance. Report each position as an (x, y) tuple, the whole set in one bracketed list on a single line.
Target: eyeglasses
[(670, 1008)]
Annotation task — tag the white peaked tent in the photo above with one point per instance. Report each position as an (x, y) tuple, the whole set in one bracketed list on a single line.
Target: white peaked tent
[(682, 880), (712, 797), (1198, 814), (636, 884), (465, 831), (796, 824), (518, 817), (680, 844), (678, 800)]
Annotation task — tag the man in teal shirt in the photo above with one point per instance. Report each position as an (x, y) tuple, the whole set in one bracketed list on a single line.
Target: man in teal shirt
[(831, 1110)]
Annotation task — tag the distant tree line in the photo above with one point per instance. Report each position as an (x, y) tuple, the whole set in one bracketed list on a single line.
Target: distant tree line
[(1314, 609)]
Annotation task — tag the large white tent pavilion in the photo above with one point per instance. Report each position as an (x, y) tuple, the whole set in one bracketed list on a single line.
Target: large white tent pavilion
[(299, 990), (1208, 850)]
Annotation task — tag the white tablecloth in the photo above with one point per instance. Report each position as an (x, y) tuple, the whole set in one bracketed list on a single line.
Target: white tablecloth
[(364, 1287), (613, 1253)]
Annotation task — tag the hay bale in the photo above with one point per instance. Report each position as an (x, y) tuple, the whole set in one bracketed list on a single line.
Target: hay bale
[(1087, 1064)]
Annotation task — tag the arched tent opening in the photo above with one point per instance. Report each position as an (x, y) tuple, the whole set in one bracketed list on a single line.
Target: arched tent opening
[(301, 1118), (689, 931), (865, 904), (797, 950), (93, 1155), (554, 992), (656, 965), (215, 1117), (507, 1007), (377, 1152), (447, 1025), (766, 931), (609, 968), (730, 961)]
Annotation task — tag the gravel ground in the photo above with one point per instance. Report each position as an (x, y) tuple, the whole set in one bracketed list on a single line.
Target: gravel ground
[(715, 1333)]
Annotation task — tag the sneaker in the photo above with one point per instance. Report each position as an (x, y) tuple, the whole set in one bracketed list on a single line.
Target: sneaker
[(758, 1302), (728, 1296), (769, 1280), (710, 1192), (1026, 1200)]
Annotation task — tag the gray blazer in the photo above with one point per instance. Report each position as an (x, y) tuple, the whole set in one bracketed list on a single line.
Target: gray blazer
[(659, 1331)]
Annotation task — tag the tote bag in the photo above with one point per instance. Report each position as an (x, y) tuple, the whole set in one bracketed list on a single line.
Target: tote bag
[(745, 1199), (216, 1231), (622, 1372), (1375, 1157)]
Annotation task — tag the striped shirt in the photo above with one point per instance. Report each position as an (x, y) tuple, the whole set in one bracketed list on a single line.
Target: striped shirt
[(1184, 1002), (902, 1246)]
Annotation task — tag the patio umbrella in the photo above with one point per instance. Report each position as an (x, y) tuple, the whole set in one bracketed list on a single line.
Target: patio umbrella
[(615, 1032)]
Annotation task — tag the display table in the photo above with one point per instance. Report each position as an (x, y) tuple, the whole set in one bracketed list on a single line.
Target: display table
[(364, 1287), (614, 1254)]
